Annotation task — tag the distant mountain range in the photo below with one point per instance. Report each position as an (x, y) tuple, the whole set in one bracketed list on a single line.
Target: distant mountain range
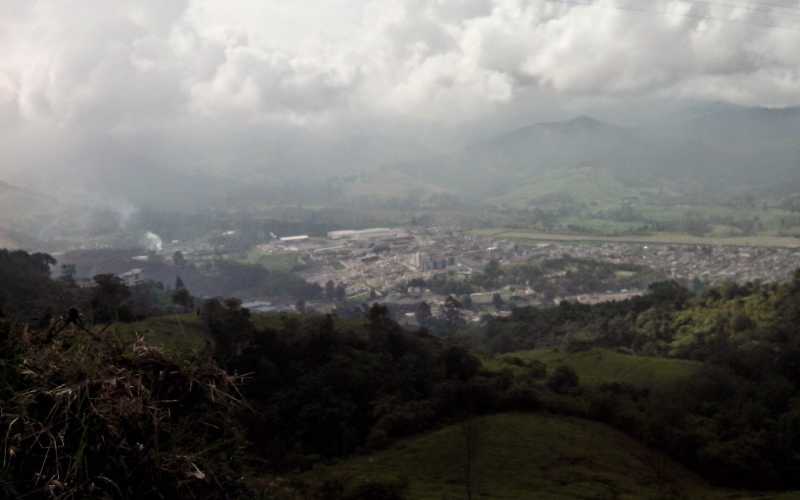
[(728, 150)]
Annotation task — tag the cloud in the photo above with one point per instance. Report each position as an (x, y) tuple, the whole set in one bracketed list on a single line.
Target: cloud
[(92, 89)]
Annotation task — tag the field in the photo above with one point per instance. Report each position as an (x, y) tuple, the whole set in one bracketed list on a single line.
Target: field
[(185, 333), (178, 333), (526, 456), (598, 366), (275, 261), (655, 238)]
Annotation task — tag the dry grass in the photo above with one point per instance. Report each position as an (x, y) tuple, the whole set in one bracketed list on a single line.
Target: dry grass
[(99, 418)]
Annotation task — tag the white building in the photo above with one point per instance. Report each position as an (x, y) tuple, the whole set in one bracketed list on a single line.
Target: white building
[(291, 239), (132, 277), (367, 234)]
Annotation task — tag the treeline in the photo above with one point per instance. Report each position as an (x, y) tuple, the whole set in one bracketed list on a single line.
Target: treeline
[(323, 387), (212, 278)]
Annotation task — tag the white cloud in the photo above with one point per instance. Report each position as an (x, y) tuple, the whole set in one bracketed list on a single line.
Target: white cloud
[(163, 77)]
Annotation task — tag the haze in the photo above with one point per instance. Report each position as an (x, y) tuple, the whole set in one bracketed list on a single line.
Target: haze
[(151, 103)]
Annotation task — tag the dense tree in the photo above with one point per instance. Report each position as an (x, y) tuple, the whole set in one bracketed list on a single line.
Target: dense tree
[(26, 291), (341, 292), (563, 380), (178, 259), (497, 301), (181, 297), (423, 313), (109, 296), (452, 313)]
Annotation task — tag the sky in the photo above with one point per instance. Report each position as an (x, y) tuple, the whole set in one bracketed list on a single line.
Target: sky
[(97, 94)]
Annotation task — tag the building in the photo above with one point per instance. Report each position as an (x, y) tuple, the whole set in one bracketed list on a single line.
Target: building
[(294, 239), (367, 234), (132, 278)]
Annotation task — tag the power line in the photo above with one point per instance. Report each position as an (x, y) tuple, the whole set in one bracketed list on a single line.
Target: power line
[(687, 15)]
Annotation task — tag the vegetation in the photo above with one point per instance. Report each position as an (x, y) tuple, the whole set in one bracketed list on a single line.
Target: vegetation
[(655, 238), (232, 405), (523, 456), (601, 366)]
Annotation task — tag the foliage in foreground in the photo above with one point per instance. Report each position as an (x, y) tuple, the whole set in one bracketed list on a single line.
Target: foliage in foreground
[(89, 418)]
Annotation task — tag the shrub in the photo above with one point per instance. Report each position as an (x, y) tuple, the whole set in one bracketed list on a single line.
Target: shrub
[(100, 419), (563, 380)]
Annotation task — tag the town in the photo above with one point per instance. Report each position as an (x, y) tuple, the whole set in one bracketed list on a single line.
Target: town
[(407, 266), (393, 265)]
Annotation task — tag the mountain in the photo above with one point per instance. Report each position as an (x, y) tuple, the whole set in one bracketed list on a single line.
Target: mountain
[(30, 219), (761, 143), (728, 149)]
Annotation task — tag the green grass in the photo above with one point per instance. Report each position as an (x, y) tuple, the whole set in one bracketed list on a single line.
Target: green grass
[(275, 261), (522, 236), (596, 187), (178, 333), (526, 456), (599, 366)]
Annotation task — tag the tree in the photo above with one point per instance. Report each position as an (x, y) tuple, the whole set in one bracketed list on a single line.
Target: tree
[(563, 380), (341, 292), (497, 301), (330, 290), (229, 325), (68, 272), (179, 283), (423, 313), (492, 269), (452, 312), (183, 298), (466, 300), (109, 296), (492, 272), (178, 259)]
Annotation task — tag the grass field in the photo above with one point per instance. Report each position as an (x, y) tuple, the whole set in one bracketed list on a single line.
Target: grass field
[(655, 238), (527, 456), (275, 261), (178, 333), (185, 333), (598, 366)]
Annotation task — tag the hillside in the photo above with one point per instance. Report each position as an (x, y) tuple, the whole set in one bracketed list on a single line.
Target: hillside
[(7, 240), (28, 218), (178, 333), (686, 155), (602, 366), (526, 457), (584, 185)]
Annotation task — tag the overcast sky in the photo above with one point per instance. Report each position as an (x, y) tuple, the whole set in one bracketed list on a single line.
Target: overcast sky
[(97, 89)]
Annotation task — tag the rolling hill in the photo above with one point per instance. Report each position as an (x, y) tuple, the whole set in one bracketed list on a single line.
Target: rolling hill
[(526, 456), (728, 150), (599, 366)]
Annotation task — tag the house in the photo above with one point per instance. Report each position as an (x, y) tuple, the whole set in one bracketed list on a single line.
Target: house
[(289, 239), (132, 278)]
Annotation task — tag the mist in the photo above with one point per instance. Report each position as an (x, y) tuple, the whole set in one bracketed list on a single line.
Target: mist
[(186, 104)]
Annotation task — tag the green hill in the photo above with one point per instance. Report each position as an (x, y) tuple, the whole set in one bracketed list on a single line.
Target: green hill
[(526, 456), (177, 333), (587, 185), (598, 366)]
